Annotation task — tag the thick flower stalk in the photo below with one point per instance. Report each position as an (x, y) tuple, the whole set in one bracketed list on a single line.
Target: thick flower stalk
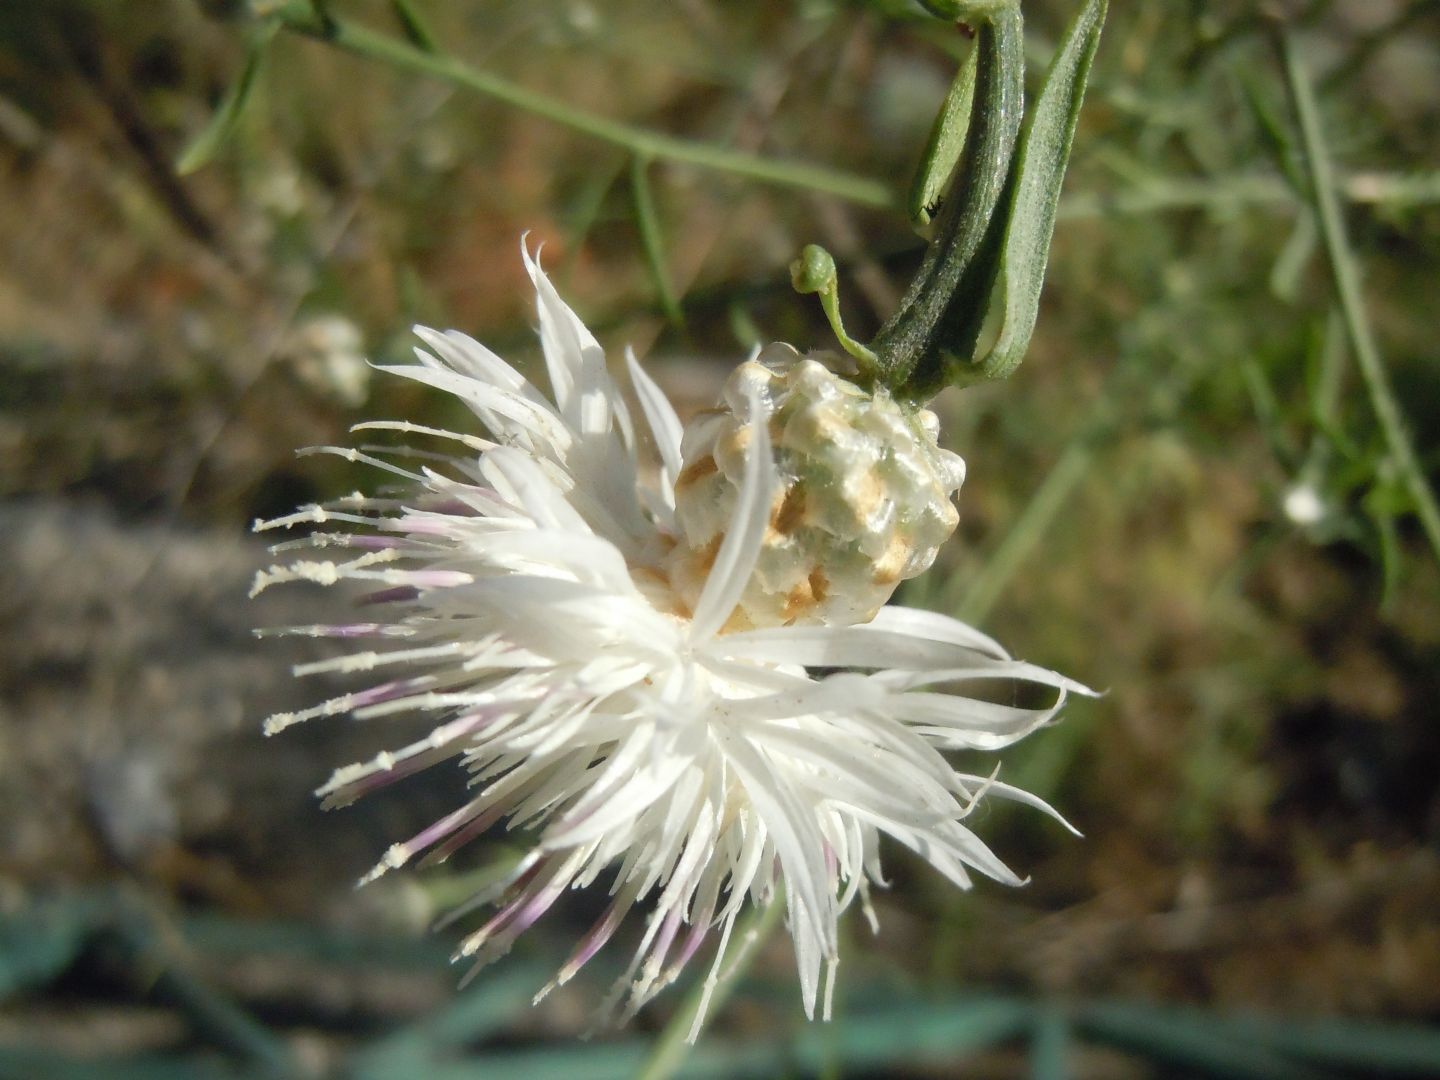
[(678, 681)]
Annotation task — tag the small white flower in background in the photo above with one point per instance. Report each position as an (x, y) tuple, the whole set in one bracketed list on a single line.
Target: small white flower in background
[(680, 682), (1303, 504), (328, 352)]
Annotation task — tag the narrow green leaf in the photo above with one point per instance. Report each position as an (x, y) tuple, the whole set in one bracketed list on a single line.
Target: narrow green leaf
[(1323, 357), (559, 1060), (1040, 170), (1188, 1039), (1274, 131), (588, 202), (911, 1032), (403, 56), (212, 137), (39, 944), (223, 939), (652, 239), (1050, 1045), (1268, 413), (945, 145), (1379, 504), (1030, 528), (1286, 276), (866, 1044), (742, 326), (221, 1020), (1366, 1046), (1345, 272), (928, 342), (416, 32), (46, 1063), (474, 1015)]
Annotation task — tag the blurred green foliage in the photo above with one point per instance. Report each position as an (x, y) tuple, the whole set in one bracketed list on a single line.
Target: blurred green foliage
[(883, 1032), (1182, 497)]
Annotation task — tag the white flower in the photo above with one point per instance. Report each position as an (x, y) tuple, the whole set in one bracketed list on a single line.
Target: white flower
[(1304, 505), (328, 353), (689, 767)]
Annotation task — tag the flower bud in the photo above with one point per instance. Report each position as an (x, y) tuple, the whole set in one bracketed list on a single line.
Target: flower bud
[(863, 501)]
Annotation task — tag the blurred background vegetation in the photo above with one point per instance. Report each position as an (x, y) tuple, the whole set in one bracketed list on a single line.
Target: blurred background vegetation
[(1183, 496)]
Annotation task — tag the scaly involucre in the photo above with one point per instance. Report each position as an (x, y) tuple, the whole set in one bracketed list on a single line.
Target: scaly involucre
[(625, 723)]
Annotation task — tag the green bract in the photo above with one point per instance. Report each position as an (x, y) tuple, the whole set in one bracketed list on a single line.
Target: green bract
[(991, 176)]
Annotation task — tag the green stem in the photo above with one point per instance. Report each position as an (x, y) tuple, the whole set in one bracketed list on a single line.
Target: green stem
[(652, 240), (1352, 308), (416, 32), (300, 17), (674, 1042), (1030, 528), (1229, 192), (814, 272), (939, 314)]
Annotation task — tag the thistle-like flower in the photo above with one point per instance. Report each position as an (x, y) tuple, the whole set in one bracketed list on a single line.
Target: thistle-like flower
[(678, 680)]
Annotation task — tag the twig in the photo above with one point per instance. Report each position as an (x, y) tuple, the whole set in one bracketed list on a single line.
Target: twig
[(1347, 286), (647, 145), (1227, 192)]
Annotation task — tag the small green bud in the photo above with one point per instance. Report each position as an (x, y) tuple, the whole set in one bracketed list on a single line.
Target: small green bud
[(813, 271)]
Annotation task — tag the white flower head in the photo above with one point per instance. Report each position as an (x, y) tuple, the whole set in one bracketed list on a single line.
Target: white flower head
[(1304, 504), (611, 706)]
